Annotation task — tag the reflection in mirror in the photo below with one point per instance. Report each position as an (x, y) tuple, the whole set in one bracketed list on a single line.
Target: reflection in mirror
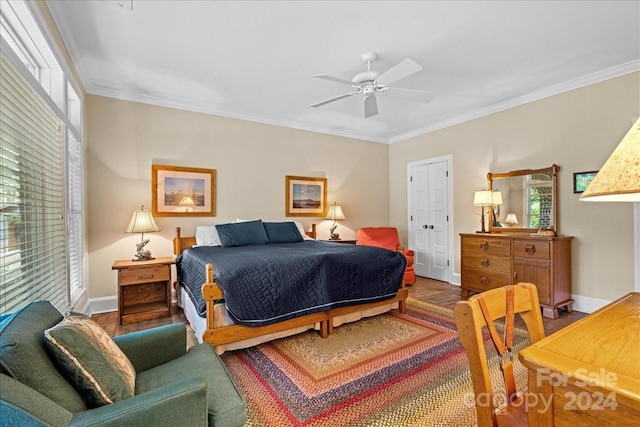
[(528, 197)]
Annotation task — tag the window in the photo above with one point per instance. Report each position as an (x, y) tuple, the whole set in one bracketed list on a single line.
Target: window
[(539, 191), (41, 168)]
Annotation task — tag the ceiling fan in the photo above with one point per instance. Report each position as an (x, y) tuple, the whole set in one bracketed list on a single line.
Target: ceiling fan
[(369, 83)]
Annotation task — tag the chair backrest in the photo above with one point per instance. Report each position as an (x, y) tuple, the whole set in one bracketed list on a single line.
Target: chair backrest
[(383, 237), (470, 320)]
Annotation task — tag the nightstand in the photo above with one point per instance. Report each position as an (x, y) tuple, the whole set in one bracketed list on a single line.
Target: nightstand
[(144, 289), (346, 242)]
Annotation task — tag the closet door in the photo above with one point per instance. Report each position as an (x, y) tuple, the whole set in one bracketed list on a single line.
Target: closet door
[(429, 219)]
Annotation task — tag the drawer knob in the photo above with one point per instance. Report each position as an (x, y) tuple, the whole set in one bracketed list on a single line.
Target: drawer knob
[(484, 280), (485, 263), (484, 246), (144, 276), (530, 249)]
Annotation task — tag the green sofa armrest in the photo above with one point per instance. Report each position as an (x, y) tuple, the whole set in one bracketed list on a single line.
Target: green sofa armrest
[(182, 403), (152, 347), (20, 405)]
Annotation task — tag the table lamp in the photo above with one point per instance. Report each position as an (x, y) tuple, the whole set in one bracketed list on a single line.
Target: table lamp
[(511, 219), (483, 198), (142, 222), (188, 203), (335, 213)]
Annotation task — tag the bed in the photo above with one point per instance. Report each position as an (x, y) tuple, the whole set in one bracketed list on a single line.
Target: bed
[(216, 284)]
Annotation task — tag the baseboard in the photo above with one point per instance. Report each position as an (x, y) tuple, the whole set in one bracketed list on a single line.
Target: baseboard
[(587, 304), (100, 305), (455, 279), (107, 304)]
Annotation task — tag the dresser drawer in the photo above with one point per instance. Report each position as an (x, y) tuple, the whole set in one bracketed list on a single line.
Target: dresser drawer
[(130, 276), (487, 262), (483, 280), (494, 246), (532, 249)]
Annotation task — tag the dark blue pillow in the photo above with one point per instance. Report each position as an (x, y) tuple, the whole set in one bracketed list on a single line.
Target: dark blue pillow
[(242, 233), (282, 232)]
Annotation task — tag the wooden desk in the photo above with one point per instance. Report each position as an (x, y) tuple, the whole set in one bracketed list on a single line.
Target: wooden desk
[(588, 374)]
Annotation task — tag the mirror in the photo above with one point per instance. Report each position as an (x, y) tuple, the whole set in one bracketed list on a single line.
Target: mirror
[(528, 196)]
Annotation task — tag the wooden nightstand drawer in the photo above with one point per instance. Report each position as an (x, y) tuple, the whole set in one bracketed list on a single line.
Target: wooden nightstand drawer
[(132, 276), (144, 289)]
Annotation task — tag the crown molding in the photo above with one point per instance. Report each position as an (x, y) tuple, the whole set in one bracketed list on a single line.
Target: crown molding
[(569, 85)]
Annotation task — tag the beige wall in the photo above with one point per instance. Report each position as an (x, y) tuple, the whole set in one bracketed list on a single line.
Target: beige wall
[(576, 130), (251, 159)]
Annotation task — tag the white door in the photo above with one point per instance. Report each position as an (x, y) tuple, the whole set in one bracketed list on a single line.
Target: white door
[(429, 218)]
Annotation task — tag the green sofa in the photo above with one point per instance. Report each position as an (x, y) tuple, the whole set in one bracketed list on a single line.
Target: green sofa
[(173, 386)]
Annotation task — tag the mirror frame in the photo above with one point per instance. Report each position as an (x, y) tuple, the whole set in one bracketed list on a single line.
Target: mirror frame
[(553, 170)]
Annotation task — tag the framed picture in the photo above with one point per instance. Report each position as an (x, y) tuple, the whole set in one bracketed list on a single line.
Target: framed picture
[(581, 180), (306, 196), (180, 191)]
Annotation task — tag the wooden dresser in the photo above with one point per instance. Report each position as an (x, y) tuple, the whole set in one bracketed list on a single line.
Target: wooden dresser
[(492, 260)]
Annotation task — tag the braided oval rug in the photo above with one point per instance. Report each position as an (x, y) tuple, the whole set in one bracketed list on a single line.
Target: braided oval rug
[(388, 370)]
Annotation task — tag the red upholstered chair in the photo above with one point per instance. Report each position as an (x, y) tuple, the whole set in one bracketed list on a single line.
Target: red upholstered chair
[(387, 237)]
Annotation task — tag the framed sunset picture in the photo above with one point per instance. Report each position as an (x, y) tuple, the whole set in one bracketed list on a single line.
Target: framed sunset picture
[(306, 196), (182, 191)]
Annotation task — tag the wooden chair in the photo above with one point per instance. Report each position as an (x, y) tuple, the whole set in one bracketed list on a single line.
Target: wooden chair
[(482, 310)]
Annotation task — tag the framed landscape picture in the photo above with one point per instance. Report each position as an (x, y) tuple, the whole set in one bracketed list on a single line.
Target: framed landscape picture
[(306, 196), (181, 191), (581, 180)]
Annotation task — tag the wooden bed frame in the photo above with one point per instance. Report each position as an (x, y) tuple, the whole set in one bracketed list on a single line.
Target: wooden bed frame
[(229, 334)]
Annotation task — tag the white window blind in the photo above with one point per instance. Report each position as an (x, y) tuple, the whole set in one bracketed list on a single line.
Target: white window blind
[(75, 222), (33, 248)]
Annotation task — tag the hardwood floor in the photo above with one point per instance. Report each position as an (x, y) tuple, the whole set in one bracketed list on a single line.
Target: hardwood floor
[(434, 291)]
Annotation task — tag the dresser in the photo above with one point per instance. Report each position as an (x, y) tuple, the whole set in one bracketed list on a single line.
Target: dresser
[(490, 261)]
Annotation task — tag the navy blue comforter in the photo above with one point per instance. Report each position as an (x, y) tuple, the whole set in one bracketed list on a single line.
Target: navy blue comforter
[(265, 284)]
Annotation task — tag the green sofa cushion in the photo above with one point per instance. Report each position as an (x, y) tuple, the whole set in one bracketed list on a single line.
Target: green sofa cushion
[(92, 361), (23, 354), (225, 403)]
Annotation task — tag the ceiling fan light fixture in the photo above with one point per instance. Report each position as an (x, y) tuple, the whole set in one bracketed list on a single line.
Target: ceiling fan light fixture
[(369, 82)]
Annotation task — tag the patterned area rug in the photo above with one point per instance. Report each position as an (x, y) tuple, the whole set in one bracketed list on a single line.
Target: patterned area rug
[(389, 370)]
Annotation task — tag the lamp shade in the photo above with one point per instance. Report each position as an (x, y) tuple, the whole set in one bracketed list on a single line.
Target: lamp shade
[(141, 222), (483, 198), (187, 201), (511, 219), (335, 212), (619, 178), (497, 198)]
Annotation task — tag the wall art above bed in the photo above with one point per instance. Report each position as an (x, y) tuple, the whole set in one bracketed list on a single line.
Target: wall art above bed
[(181, 191), (306, 196)]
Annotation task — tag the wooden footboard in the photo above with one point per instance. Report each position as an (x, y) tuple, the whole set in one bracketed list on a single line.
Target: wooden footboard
[(233, 333), (222, 335)]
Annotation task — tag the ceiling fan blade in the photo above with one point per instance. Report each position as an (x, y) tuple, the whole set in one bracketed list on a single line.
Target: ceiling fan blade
[(335, 98), (370, 106), (334, 79), (416, 95), (400, 71)]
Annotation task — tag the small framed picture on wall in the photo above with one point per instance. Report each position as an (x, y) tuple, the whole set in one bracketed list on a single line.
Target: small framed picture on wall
[(581, 180)]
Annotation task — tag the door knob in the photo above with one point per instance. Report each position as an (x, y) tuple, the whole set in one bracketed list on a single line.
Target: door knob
[(431, 227), (425, 226)]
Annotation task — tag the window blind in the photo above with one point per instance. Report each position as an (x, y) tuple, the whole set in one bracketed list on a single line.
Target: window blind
[(33, 261)]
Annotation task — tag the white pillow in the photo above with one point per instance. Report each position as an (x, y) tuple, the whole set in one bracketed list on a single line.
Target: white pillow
[(207, 235), (244, 220), (301, 230)]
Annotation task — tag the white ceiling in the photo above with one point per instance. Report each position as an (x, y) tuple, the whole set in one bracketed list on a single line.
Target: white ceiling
[(255, 60)]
